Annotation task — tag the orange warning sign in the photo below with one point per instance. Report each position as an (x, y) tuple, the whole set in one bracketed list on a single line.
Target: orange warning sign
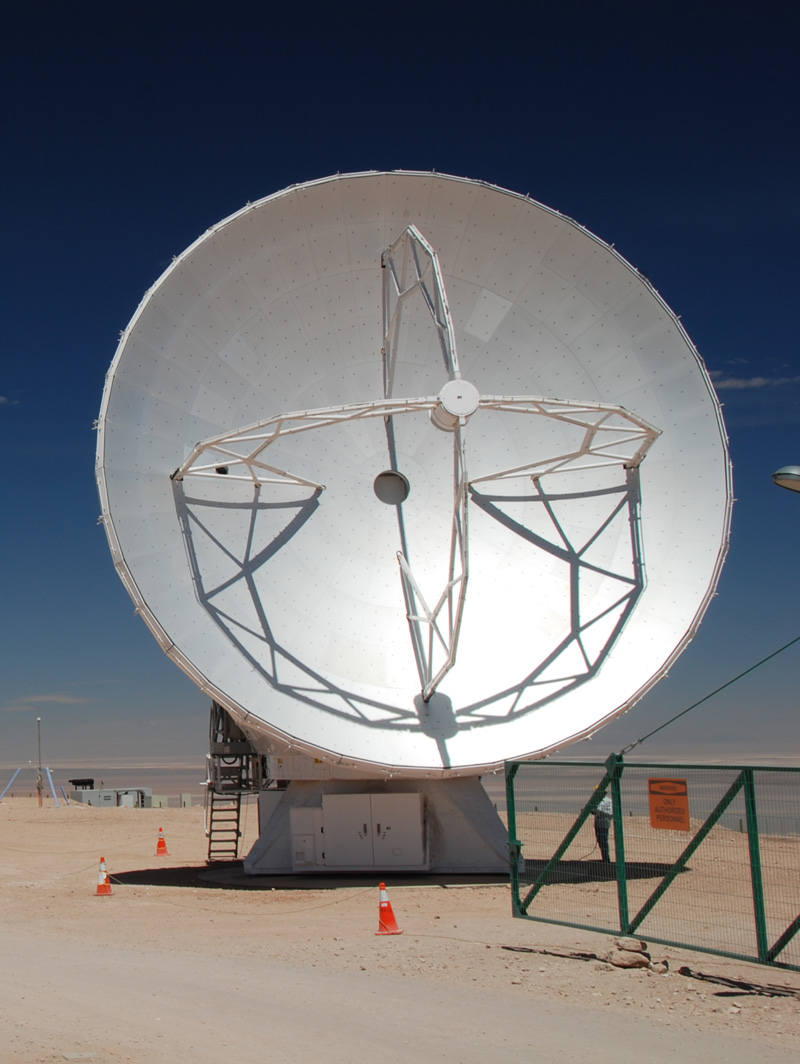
[(669, 804)]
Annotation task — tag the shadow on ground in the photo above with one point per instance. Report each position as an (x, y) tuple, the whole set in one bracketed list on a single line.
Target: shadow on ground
[(230, 875), (591, 871)]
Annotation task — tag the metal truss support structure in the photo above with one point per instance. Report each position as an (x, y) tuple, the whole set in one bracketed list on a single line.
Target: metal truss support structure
[(604, 435)]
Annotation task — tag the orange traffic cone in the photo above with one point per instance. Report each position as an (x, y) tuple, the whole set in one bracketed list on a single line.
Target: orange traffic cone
[(103, 882), (161, 849), (387, 925)]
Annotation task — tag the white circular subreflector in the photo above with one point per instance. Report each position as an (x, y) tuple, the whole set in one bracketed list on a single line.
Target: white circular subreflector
[(346, 578), (459, 398)]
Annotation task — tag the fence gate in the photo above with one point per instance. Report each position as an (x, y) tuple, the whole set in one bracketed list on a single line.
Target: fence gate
[(703, 857)]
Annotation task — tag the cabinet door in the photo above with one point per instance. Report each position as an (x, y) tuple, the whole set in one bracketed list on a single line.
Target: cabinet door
[(305, 824), (347, 841), (397, 830)]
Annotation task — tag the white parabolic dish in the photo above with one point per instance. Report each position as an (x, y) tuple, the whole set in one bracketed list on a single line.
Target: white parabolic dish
[(556, 505)]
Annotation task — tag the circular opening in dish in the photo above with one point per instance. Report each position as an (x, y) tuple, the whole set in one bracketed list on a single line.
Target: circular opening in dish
[(391, 487)]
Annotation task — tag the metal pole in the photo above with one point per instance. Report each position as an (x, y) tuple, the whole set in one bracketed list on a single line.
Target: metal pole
[(514, 847), (614, 768), (755, 864), (39, 772)]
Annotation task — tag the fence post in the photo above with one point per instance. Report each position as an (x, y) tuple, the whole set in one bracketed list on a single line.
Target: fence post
[(614, 767), (514, 848), (755, 864)]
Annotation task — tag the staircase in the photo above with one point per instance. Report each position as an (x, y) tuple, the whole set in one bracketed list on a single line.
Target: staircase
[(224, 812), (234, 769)]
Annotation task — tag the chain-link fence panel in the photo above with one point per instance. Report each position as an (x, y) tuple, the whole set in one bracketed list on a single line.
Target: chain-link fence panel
[(705, 857)]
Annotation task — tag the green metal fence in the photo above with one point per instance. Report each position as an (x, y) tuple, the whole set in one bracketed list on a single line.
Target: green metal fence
[(716, 868)]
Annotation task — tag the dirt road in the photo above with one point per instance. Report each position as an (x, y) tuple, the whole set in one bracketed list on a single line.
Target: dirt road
[(177, 966)]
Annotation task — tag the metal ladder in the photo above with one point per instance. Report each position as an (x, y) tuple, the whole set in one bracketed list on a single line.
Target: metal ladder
[(233, 769), (224, 813)]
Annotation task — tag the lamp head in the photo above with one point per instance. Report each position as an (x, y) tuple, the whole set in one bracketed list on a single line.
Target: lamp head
[(788, 477)]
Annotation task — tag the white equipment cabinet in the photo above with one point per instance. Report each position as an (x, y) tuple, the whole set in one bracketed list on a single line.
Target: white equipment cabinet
[(306, 833), (360, 831)]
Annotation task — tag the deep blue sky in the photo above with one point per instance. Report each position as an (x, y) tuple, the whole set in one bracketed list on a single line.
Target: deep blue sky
[(669, 130)]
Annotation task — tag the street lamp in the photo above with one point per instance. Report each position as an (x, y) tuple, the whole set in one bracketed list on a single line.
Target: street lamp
[(39, 773), (788, 477)]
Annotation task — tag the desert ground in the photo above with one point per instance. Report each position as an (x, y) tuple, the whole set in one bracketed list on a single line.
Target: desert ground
[(182, 963)]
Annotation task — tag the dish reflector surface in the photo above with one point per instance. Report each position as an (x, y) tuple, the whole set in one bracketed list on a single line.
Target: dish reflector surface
[(413, 473)]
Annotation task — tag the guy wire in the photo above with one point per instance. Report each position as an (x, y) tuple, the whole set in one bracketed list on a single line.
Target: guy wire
[(711, 694)]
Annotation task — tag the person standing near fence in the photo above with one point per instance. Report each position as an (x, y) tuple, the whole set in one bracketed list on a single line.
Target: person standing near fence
[(602, 824)]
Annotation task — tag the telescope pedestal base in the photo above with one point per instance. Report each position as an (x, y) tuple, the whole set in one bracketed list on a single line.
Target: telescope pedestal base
[(330, 826)]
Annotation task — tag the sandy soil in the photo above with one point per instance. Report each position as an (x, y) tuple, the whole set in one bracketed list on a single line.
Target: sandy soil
[(179, 964)]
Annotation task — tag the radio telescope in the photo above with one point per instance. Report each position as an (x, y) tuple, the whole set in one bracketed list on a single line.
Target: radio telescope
[(412, 475)]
